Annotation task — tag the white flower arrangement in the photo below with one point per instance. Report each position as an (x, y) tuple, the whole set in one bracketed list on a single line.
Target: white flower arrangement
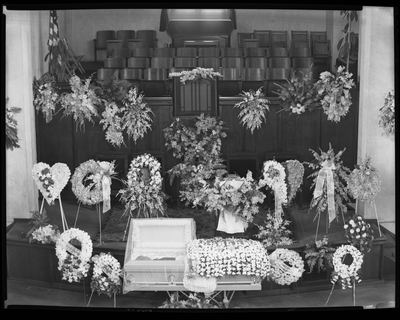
[(387, 114), (107, 273), (294, 170), (82, 102), (287, 266), (112, 123), (50, 180), (274, 233), (364, 181), (218, 257), (346, 274), (335, 93), (74, 263), (87, 180), (45, 95), (359, 233), (194, 74), (46, 234), (143, 192), (253, 109)]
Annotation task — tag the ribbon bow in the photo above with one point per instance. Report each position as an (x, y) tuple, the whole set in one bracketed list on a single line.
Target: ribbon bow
[(326, 174), (106, 187)]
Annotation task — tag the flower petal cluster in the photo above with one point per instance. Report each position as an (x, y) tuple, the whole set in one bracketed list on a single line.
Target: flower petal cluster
[(74, 263), (253, 109), (107, 273), (87, 180), (194, 74), (218, 257), (287, 266), (344, 273), (45, 95), (387, 114), (82, 102), (359, 233), (143, 192), (364, 181)]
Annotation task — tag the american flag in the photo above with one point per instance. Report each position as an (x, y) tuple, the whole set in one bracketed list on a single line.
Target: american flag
[(54, 36)]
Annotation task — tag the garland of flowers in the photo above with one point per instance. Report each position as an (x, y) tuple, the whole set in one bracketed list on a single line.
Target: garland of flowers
[(218, 257), (107, 273), (221, 195), (143, 192), (359, 233), (364, 181), (45, 95), (273, 233), (343, 273), (335, 93), (72, 262), (253, 109), (294, 170), (387, 114), (89, 181), (274, 177), (319, 253), (82, 102), (340, 177), (195, 74), (287, 266), (299, 95), (11, 127)]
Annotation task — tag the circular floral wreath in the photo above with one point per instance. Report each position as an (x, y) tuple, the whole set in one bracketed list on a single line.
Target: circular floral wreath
[(343, 272), (106, 274), (91, 170), (286, 273), (73, 262)]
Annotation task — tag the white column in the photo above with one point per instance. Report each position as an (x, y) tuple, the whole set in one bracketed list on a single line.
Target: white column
[(376, 80)]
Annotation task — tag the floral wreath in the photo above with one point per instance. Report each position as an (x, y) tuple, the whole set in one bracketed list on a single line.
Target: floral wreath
[(274, 177), (98, 175), (253, 109), (346, 273), (286, 273), (387, 114), (143, 190), (106, 278), (73, 262), (196, 73), (294, 170)]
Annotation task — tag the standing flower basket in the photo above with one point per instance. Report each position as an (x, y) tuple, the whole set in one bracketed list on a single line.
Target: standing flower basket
[(253, 109), (387, 114)]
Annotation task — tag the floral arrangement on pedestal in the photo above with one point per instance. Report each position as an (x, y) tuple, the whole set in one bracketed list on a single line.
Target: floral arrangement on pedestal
[(81, 103), (195, 74), (193, 301), (359, 233), (274, 233), (253, 109), (74, 263), (294, 171), (220, 196), (330, 179), (287, 266), (11, 127), (387, 114), (143, 193), (200, 149), (45, 95), (319, 254)]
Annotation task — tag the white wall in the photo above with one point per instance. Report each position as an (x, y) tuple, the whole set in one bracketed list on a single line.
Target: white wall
[(376, 80)]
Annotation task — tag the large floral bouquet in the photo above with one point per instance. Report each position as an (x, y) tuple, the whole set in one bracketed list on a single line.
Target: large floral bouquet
[(274, 233), (42, 231), (335, 93), (221, 195), (11, 127), (294, 171), (319, 253), (82, 102), (387, 114), (45, 95), (106, 278), (333, 189), (299, 95), (253, 109), (359, 233), (143, 192), (364, 181), (196, 73), (218, 257)]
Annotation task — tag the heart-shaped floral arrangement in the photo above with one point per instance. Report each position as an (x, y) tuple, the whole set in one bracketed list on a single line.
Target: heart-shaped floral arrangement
[(51, 180)]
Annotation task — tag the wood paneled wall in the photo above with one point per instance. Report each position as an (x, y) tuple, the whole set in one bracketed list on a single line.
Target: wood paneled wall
[(282, 134)]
